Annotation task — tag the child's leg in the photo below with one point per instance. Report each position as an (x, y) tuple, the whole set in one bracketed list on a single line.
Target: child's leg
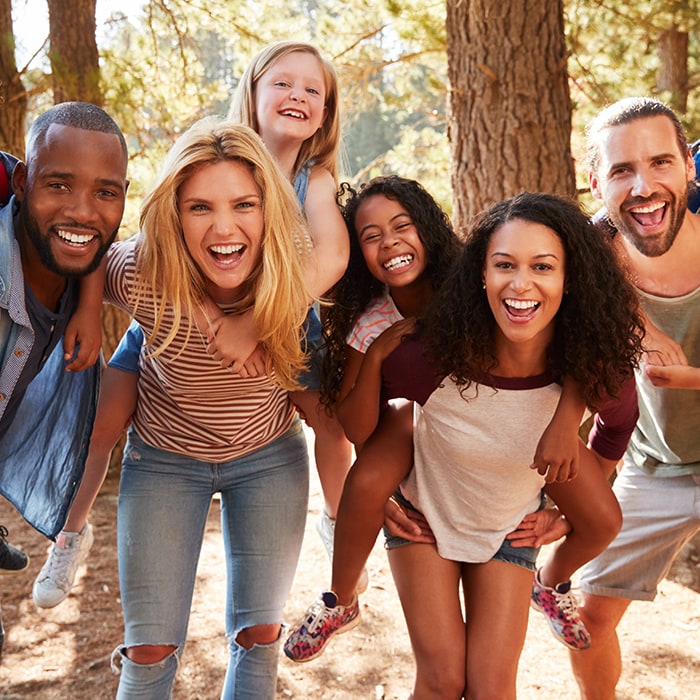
[(384, 461), (497, 600), (115, 406), (593, 512), (591, 508), (428, 587), (332, 450)]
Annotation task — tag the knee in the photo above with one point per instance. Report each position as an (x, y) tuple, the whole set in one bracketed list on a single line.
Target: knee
[(598, 528), (439, 681), (366, 485), (149, 653), (258, 634), (601, 616), (608, 524)]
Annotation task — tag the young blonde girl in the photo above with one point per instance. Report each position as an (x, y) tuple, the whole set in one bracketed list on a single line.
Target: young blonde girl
[(289, 95)]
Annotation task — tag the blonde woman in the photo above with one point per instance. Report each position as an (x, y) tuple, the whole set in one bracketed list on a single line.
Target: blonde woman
[(221, 222), (289, 95)]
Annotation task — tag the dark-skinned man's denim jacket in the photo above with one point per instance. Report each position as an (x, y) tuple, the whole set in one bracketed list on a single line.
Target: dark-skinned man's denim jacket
[(43, 452)]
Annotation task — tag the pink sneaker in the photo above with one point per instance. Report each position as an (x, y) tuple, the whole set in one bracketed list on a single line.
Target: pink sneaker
[(559, 606), (320, 622)]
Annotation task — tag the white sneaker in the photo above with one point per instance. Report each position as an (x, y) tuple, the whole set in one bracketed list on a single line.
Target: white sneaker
[(56, 578), (325, 526)]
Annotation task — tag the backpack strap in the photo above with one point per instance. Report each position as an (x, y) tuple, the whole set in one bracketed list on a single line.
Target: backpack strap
[(4, 186)]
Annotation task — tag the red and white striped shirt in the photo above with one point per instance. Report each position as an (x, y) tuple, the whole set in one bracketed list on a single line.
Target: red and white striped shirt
[(189, 404), (380, 314)]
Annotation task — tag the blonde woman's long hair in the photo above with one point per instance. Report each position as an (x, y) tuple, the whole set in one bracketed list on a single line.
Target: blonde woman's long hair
[(276, 290), (323, 147)]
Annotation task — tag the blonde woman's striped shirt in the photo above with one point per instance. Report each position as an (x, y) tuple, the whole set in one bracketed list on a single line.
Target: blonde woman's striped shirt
[(187, 403)]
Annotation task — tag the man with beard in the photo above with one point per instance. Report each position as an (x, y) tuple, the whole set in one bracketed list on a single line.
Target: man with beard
[(68, 201), (640, 167)]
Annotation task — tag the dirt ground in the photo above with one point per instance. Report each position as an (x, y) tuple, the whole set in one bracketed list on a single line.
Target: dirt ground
[(64, 653)]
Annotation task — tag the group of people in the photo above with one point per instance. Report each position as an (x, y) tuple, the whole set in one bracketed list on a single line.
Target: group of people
[(477, 364), (459, 367)]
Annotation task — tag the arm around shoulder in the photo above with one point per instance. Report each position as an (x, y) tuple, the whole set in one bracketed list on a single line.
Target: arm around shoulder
[(329, 257), (85, 326)]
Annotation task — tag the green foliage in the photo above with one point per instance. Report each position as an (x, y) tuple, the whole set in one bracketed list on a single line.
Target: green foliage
[(614, 54), (181, 59)]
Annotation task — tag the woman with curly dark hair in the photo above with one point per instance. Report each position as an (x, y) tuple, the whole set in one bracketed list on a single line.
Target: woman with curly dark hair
[(402, 248), (536, 295), (459, 327)]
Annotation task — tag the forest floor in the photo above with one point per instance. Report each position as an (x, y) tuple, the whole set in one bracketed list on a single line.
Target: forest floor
[(64, 653)]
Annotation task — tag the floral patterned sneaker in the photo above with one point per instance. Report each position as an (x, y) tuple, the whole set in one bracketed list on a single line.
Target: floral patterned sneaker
[(559, 606), (320, 622)]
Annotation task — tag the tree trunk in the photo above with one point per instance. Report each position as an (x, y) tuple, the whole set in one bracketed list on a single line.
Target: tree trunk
[(509, 110), (672, 48), (13, 97), (75, 68)]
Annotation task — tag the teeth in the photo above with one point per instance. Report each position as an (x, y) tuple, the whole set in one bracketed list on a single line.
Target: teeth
[(521, 304), (648, 208), (293, 113), (76, 238), (399, 261), (226, 249)]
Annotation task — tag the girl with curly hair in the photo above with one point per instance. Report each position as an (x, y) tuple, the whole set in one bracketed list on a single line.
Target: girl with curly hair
[(536, 295), (402, 245)]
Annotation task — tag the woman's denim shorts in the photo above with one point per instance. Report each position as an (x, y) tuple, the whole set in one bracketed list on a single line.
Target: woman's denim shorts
[(520, 556)]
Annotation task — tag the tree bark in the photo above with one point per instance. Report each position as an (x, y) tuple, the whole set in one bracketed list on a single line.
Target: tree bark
[(509, 109), (75, 68), (13, 97), (672, 46)]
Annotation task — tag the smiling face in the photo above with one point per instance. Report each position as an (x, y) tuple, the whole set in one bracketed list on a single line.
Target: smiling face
[(290, 99), (389, 240), (642, 178), (222, 219), (524, 274), (72, 197)]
